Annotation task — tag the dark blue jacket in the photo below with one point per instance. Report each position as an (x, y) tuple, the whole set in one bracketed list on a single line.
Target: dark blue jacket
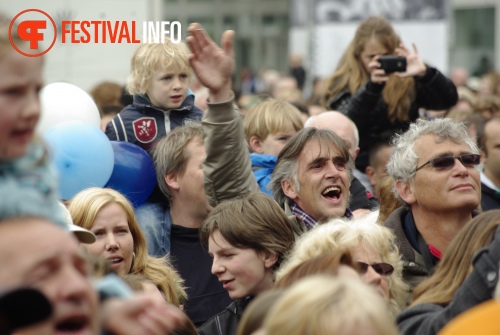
[(144, 124)]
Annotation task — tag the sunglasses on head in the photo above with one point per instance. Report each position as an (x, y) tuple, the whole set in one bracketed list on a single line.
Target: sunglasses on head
[(449, 161), (382, 269)]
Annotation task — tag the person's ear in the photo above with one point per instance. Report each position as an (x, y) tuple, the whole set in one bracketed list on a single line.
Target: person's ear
[(288, 188), (270, 258), (171, 180), (406, 192), (256, 145)]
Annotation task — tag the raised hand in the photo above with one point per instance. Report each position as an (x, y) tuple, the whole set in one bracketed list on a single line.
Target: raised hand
[(213, 65), (415, 67)]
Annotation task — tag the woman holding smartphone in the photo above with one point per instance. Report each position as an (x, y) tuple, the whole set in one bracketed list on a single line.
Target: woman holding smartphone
[(382, 104)]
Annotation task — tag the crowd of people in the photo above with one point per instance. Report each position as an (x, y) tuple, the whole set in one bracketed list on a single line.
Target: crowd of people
[(371, 206)]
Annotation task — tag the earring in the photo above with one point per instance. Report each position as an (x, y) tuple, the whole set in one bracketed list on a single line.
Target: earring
[(133, 254)]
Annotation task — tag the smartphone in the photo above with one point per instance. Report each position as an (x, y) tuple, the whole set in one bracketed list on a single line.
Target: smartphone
[(392, 64)]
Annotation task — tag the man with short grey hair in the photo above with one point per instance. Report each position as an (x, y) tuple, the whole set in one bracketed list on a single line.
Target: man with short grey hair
[(434, 169)]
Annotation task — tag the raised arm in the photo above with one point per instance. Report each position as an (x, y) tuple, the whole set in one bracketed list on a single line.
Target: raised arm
[(227, 168)]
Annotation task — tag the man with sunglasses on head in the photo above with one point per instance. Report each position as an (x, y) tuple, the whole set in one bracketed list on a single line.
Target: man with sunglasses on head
[(435, 175)]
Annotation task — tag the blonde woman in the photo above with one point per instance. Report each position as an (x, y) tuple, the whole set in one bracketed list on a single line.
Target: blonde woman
[(119, 239), (373, 250), (382, 104)]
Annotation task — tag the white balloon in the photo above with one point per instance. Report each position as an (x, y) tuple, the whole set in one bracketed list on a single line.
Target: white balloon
[(61, 102)]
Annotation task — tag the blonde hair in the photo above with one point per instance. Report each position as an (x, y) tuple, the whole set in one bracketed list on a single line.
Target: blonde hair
[(84, 208), (321, 304), (338, 235), (271, 116), (350, 74), (456, 264), (149, 58), (324, 264), (136, 281)]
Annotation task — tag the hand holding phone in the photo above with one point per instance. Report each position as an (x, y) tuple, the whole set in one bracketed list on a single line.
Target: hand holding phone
[(392, 64)]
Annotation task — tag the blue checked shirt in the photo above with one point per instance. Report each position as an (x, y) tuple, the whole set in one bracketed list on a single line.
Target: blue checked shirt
[(308, 220)]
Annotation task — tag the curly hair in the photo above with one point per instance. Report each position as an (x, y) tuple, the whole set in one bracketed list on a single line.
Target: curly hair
[(401, 166), (150, 57), (339, 234)]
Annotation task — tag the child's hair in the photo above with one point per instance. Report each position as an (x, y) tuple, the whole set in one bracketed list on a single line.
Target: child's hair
[(150, 58), (255, 221), (271, 116)]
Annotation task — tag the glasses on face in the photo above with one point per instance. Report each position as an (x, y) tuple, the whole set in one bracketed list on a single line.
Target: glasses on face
[(382, 269), (449, 161)]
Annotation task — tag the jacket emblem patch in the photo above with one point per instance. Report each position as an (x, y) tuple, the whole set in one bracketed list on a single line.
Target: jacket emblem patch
[(145, 129)]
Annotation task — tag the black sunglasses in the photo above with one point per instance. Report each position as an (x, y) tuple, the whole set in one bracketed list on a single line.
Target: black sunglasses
[(449, 161), (382, 269)]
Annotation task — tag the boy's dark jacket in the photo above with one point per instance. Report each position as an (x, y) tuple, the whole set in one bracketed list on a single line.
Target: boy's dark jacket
[(226, 322), (144, 124)]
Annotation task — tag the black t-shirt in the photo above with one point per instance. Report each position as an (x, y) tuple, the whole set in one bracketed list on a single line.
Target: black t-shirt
[(206, 296)]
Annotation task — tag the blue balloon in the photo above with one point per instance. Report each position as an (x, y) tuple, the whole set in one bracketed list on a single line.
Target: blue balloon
[(82, 155), (133, 173)]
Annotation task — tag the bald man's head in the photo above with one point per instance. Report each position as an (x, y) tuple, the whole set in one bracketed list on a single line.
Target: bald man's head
[(340, 124)]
